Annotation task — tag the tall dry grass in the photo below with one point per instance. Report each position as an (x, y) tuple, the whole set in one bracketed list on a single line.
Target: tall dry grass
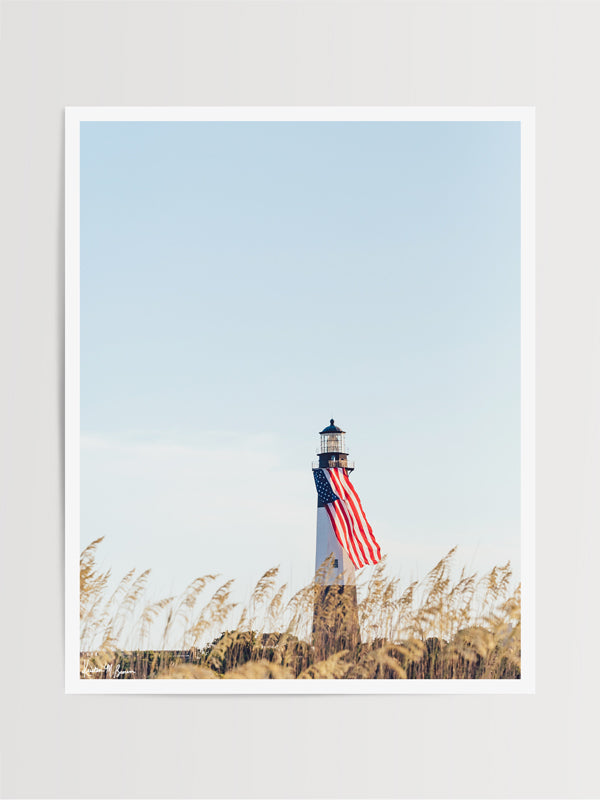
[(439, 627)]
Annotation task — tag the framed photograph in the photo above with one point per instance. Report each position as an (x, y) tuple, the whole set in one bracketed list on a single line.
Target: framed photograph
[(299, 400)]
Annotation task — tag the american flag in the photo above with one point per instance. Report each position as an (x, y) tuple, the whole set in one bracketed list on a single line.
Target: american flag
[(347, 517)]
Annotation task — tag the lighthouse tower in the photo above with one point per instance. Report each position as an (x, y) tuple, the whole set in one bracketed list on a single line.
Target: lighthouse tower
[(335, 617)]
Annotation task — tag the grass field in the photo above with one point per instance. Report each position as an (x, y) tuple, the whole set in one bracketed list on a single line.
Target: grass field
[(450, 624)]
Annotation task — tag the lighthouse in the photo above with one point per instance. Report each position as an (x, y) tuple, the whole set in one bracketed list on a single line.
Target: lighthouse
[(335, 616)]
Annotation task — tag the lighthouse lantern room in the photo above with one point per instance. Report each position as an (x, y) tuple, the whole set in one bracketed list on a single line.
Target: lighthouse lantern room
[(332, 452)]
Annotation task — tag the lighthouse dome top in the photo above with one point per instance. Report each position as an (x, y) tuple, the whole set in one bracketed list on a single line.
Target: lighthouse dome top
[(332, 428)]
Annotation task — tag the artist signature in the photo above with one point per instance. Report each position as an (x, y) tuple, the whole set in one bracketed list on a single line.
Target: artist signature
[(110, 671)]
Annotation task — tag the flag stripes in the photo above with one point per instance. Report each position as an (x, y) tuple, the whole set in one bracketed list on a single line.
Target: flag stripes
[(348, 520)]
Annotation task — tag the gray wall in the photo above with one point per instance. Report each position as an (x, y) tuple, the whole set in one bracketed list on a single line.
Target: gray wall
[(55, 54)]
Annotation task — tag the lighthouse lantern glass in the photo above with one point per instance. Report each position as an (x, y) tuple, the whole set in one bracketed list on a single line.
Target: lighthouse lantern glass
[(333, 443)]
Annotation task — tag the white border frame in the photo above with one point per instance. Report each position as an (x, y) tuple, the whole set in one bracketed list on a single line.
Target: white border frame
[(73, 118)]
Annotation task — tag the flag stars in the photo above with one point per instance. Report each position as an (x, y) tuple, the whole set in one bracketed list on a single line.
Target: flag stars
[(324, 491)]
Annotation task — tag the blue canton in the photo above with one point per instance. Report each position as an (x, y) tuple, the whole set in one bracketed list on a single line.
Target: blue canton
[(324, 490)]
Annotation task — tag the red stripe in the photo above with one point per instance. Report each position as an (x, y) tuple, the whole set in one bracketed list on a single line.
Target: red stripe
[(342, 521), (357, 531), (346, 523), (366, 530), (369, 529), (359, 527), (339, 528), (352, 518), (357, 559), (331, 516), (363, 525)]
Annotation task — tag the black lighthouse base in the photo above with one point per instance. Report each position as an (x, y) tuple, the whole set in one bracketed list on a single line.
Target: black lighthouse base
[(335, 620)]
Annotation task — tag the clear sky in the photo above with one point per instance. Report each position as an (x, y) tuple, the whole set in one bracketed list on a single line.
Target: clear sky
[(241, 283)]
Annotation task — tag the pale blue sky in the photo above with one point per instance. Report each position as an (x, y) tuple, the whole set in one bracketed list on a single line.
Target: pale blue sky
[(241, 283)]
